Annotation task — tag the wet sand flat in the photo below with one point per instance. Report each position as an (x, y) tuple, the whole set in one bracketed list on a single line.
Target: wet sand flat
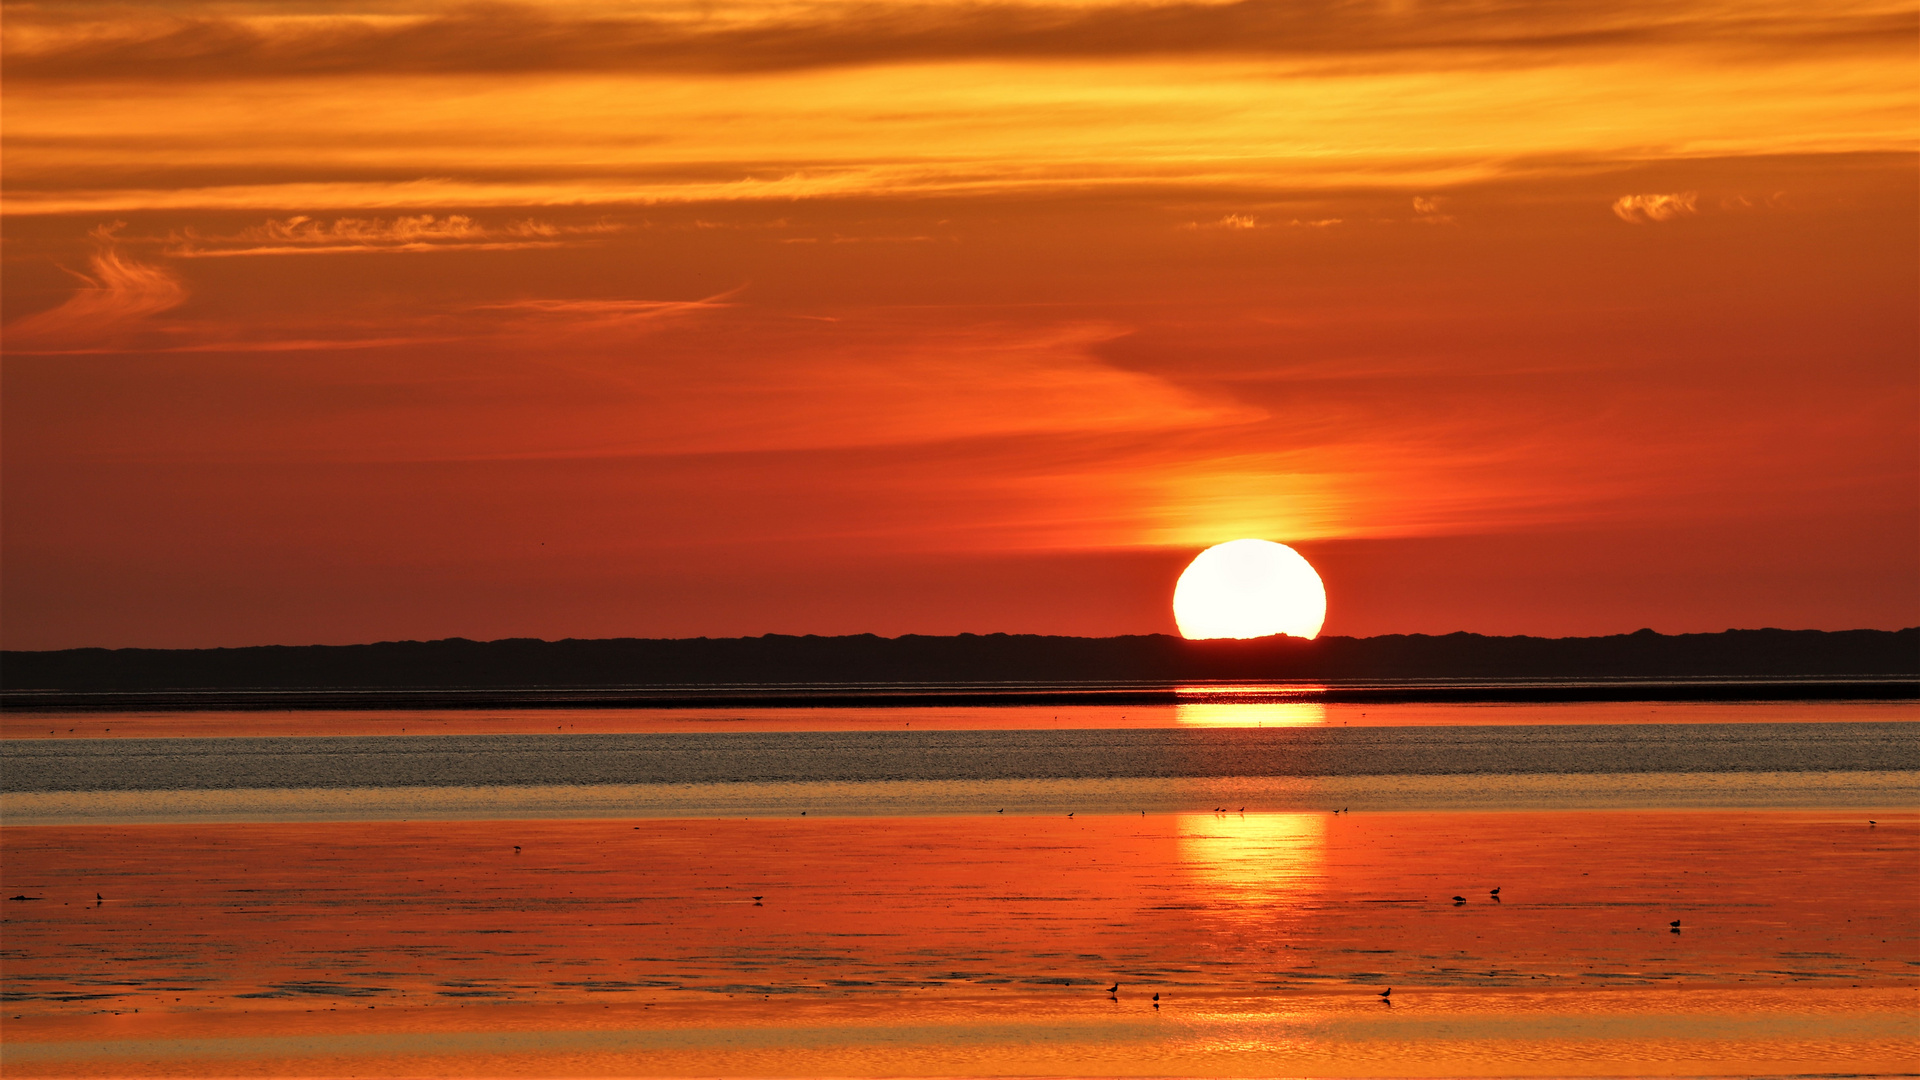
[(968, 944), (1868, 794), (1648, 1032)]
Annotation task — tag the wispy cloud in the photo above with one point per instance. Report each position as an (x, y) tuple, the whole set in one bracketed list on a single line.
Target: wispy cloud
[(1228, 221), (1238, 222), (601, 313), (1643, 209), (118, 293), (304, 235), (1426, 208)]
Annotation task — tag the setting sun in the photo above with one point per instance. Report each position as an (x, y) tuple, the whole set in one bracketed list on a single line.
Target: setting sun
[(1249, 589), (729, 458)]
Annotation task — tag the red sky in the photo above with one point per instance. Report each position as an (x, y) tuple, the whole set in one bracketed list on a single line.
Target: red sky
[(333, 323)]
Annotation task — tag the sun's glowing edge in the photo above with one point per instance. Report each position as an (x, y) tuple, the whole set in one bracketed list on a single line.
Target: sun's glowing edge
[(1248, 589)]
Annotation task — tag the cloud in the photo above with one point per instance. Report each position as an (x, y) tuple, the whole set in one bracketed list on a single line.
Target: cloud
[(119, 293), (1237, 222), (304, 235), (1427, 209), (584, 314), (220, 41), (1643, 209), (303, 229), (1230, 221)]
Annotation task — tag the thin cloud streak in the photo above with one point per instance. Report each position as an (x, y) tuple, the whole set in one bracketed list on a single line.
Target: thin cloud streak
[(213, 43), (262, 345), (586, 312), (824, 184), (303, 235), (342, 249)]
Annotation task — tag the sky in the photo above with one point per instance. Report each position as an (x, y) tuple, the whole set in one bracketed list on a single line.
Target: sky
[(338, 322)]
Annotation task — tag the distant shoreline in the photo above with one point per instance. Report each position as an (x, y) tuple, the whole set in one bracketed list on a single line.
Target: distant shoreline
[(877, 697), (972, 670)]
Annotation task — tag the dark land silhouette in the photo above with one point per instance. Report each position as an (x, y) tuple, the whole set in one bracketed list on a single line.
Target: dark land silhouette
[(984, 668)]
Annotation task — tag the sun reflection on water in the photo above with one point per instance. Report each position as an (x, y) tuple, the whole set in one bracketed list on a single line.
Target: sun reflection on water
[(1256, 869), (1216, 714)]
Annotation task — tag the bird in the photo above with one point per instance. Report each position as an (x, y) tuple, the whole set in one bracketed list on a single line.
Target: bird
[(1386, 994), (1069, 814), (1001, 811), (516, 849), (1459, 899), (756, 901), (1114, 989), (1156, 996), (1675, 924), (1872, 824), (1495, 891)]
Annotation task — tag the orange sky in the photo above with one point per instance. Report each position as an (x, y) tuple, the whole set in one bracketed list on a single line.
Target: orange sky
[(330, 322)]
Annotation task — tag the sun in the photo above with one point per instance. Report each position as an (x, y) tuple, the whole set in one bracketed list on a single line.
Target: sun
[(1248, 589)]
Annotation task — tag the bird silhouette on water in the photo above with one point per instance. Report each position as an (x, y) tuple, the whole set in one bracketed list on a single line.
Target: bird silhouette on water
[(1387, 995), (1674, 927), (1112, 990), (1459, 900), (757, 903)]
